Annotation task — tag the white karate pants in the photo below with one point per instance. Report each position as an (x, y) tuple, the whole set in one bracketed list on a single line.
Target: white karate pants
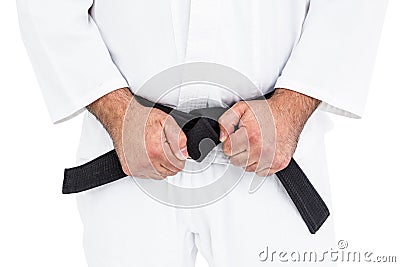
[(124, 227)]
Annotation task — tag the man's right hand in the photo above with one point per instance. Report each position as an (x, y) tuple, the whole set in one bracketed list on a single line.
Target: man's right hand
[(148, 142)]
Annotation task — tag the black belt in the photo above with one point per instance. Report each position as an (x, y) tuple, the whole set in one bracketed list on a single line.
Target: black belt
[(198, 125)]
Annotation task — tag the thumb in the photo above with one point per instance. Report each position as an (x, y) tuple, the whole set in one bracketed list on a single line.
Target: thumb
[(176, 138), (230, 119)]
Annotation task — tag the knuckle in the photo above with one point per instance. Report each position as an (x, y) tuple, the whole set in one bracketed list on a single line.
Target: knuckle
[(254, 138), (159, 113), (155, 153), (257, 149), (254, 135), (150, 152), (251, 169), (155, 113), (239, 105), (161, 117)]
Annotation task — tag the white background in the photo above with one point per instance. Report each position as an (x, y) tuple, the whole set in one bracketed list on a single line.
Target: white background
[(41, 227)]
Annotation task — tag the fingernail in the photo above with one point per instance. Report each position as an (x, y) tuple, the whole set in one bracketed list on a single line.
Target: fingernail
[(184, 153), (222, 137)]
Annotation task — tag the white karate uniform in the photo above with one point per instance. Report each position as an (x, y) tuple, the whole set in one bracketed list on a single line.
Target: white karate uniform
[(84, 49)]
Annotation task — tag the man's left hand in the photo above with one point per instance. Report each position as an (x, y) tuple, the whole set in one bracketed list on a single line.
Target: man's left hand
[(267, 131)]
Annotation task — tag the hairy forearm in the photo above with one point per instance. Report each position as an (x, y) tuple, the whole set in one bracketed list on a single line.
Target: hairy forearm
[(110, 110), (295, 107)]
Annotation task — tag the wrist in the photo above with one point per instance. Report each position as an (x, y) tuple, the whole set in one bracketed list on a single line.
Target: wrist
[(295, 103), (110, 111), (294, 107)]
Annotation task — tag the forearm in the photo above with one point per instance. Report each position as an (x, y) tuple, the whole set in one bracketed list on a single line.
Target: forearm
[(295, 107), (110, 111)]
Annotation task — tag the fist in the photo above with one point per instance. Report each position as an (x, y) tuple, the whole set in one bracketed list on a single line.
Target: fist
[(261, 135), (153, 145)]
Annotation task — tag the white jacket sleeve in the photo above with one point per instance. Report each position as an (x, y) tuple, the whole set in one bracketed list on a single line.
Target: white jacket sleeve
[(70, 59), (333, 60)]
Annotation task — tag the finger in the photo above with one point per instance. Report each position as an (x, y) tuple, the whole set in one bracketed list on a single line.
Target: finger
[(160, 154), (169, 160), (230, 119), (267, 169), (236, 143), (154, 175), (242, 159), (264, 172), (262, 165), (165, 171), (272, 171), (176, 138), (159, 171), (263, 156), (251, 167), (257, 166)]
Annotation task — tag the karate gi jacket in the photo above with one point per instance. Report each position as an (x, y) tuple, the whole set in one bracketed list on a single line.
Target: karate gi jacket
[(84, 49)]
